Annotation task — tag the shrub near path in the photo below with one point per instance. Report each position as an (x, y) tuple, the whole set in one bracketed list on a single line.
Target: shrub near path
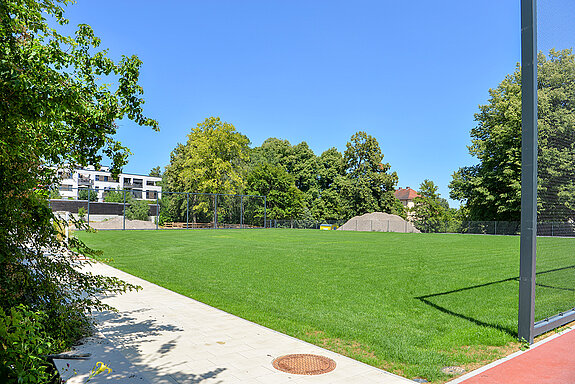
[(408, 303)]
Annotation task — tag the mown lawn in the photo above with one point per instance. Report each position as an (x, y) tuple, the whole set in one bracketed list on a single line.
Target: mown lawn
[(407, 303)]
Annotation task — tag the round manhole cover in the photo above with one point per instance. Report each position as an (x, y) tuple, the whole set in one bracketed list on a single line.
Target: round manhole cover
[(304, 364)]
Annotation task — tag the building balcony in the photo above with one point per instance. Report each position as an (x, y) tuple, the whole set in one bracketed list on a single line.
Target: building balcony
[(84, 181)]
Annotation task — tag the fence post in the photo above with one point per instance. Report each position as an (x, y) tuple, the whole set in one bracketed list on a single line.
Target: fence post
[(88, 205), (265, 210), (157, 211), (528, 241), (495, 228), (551, 229), (241, 211), (188, 210), (124, 213), (215, 210)]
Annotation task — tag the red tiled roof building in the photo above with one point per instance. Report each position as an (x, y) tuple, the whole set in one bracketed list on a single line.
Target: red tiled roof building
[(406, 196)]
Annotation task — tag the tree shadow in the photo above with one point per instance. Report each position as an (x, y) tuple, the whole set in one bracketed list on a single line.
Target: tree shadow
[(513, 332), (130, 331)]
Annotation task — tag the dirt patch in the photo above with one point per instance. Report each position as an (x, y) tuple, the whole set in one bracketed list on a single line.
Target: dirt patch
[(481, 355), (378, 222), (352, 349)]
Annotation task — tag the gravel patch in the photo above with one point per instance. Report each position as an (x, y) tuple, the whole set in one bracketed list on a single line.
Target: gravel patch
[(378, 222), (118, 223)]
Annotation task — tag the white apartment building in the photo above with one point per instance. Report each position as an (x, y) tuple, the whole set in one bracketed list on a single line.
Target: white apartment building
[(101, 180)]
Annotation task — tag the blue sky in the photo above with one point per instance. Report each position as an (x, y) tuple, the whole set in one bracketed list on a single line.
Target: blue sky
[(411, 74)]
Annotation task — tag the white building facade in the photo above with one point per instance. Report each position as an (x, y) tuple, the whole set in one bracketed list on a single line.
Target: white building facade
[(139, 186)]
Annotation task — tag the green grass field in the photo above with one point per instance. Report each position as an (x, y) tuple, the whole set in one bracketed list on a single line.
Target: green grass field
[(408, 303)]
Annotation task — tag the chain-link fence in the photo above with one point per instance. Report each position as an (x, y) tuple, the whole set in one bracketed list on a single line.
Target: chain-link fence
[(123, 210)]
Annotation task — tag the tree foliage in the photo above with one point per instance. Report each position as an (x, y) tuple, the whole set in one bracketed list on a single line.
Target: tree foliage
[(54, 111), (429, 206), (213, 160), (491, 190), (155, 172), (284, 200), (85, 194), (138, 210), (367, 186)]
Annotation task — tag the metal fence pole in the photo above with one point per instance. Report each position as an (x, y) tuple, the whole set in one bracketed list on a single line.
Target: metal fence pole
[(88, 205), (528, 253), (495, 231), (124, 213), (187, 210), (216, 211), (265, 210), (242, 211), (157, 211)]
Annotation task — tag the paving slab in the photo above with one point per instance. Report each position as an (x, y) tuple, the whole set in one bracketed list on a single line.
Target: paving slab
[(165, 337)]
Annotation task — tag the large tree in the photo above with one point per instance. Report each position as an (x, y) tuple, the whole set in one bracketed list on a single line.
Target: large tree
[(284, 200), (328, 205), (56, 109), (491, 190), (429, 208), (213, 160), (367, 186)]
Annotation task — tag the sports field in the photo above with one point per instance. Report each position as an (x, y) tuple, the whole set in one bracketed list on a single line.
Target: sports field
[(408, 303)]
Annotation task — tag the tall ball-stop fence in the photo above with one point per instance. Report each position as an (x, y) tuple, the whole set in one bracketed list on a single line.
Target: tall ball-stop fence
[(547, 270), (124, 210)]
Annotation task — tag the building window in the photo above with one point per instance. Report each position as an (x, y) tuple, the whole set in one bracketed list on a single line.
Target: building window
[(151, 194), (150, 182), (65, 187), (105, 178)]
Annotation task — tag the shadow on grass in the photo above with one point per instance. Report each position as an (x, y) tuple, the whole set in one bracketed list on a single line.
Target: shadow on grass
[(426, 299)]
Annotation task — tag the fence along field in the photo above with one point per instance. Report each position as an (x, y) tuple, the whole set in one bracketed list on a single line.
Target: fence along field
[(171, 210)]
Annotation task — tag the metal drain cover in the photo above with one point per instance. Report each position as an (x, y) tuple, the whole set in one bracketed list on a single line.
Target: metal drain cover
[(304, 364)]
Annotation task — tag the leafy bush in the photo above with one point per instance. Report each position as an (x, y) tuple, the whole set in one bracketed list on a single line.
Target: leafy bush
[(84, 194), (50, 121), (54, 194), (113, 196), (23, 343), (138, 210), (82, 213)]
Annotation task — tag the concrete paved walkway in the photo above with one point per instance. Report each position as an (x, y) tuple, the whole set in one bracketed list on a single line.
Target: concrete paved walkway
[(159, 336)]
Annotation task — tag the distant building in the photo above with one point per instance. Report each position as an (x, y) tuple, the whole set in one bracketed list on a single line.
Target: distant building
[(101, 180), (406, 196)]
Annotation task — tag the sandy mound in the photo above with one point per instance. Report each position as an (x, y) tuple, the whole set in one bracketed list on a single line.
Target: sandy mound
[(117, 223), (378, 222)]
